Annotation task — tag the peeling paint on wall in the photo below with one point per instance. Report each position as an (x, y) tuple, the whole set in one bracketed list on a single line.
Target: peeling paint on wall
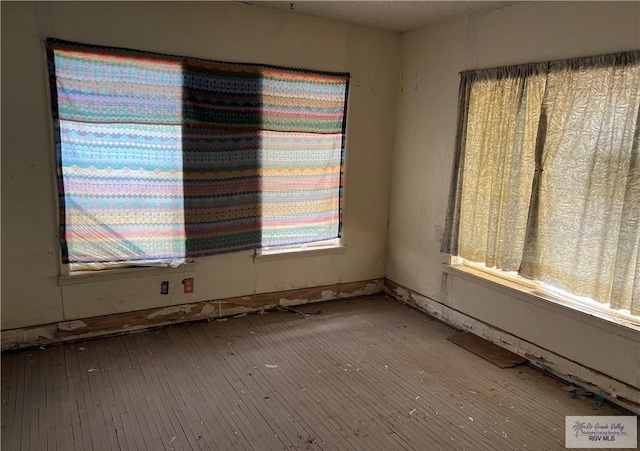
[(284, 302), (170, 311), (370, 288), (328, 294), (72, 325), (210, 310)]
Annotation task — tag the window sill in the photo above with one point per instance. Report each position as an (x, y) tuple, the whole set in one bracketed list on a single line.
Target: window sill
[(556, 304), (122, 273), (286, 254)]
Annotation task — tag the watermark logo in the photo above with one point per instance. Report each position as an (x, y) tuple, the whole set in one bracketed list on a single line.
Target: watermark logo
[(601, 432)]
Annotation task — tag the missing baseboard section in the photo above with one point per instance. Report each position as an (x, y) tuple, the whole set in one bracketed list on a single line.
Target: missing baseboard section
[(618, 392), (79, 329)]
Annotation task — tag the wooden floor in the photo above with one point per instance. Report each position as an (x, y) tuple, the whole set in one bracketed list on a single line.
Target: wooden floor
[(364, 374)]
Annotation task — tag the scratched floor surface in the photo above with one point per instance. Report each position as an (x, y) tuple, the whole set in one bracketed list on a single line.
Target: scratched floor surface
[(363, 374)]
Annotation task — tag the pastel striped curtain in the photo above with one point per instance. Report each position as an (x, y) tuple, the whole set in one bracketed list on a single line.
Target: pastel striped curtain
[(163, 157)]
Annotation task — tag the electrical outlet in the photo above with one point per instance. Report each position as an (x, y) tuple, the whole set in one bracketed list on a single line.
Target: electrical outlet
[(164, 287), (188, 285)]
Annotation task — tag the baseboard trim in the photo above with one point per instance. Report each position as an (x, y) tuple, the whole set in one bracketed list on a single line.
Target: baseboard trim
[(118, 323), (592, 380)]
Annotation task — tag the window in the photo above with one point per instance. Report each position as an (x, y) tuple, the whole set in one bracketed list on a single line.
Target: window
[(547, 176), (164, 158)]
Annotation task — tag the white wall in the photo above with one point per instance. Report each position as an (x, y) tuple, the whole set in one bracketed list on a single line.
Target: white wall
[(227, 31), (423, 156)]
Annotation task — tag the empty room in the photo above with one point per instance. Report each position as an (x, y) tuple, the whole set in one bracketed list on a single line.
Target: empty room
[(340, 225)]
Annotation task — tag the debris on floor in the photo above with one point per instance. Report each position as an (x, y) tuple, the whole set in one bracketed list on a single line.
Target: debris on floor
[(268, 365), (487, 350), (577, 392), (296, 311), (569, 388)]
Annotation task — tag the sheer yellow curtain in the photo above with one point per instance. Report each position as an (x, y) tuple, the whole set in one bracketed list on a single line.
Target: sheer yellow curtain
[(502, 117), (585, 234), (547, 175)]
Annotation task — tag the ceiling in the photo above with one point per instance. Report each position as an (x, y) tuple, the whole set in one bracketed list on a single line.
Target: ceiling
[(387, 15)]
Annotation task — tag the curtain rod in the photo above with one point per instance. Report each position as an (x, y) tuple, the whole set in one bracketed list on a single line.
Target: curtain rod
[(632, 54)]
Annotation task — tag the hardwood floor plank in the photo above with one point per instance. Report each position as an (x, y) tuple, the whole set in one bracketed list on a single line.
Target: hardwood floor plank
[(226, 373), (45, 411), (264, 381), (80, 389), (336, 372), (124, 371), (325, 390), (9, 372), (139, 391), (159, 401), (189, 398)]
